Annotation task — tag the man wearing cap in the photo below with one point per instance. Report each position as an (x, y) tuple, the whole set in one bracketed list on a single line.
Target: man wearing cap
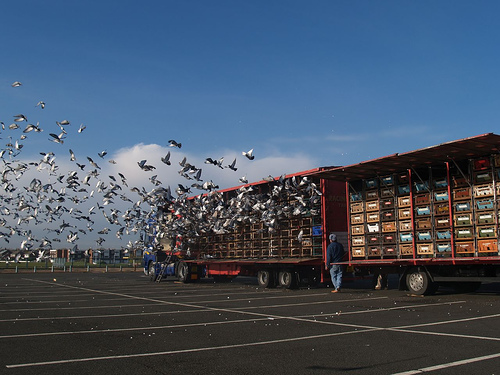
[(334, 254)]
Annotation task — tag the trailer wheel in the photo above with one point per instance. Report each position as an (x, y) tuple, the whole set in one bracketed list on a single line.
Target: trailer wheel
[(152, 271), (183, 272), (265, 278), (418, 282), (286, 279)]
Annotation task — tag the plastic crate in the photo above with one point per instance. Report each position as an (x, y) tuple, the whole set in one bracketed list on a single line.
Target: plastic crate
[(422, 198), (485, 218), (387, 192), (405, 249), (440, 197), (404, 201), (387, 180), (422, 186), (316, 230), (373, 228), (357, 219), (389, 251), (372, 194), (404, 213), (405, 237), (425, 248), (357, 207), (464, 247), (483, 177), (355, 197), (386, 204), (372, 205), (486, 232), (487, 246), (462, 219), (485, 204), (403, 189), (481, 164), (372, 239), (423, 223), (389, 226), (483, 190), (389, 238), (440, 183), (372, 217), (424, 236), (464, 233), (371, 183), (374, 251), (443, 247), (358, 252), (462, 207), (458, 181), (388, 215), (462, 193), (423, 211), (405, 226), (443, 234)]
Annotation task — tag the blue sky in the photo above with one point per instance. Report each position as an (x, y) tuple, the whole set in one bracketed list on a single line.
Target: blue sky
[(303, 83)]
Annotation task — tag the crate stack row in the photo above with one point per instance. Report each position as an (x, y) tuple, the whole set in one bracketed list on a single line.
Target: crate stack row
[(257, 241), (433, 213)]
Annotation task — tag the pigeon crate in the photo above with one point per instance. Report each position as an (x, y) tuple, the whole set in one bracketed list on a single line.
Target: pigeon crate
[(484, 190), (462, 193), (357, 207), (388, 215), (404, 189), (404, 201), (485, 204), (372, 206), (373, 228), (482, 164), (307, 242), (424, 236), (285, 233), (464, 233), (264, 234), (274, 242), (231, 245), (441, 196), (256, 226), (371, 183), (264, 244), (423, 211), (357, 219), (405, 249), (372, 194), (443, 234), (442, 222), (231, 254), (257, 253), (405, 226), (403, 178), (389, 251), (440, 183), (404, 213), (387, 180), (462, 207), (441, 209), (306, 251), (387, 192), (389, 238), (464, 247), (358, 241), (462, 219), (389, 226), (421, 186), (289, 252), (405, 237), (458, 181), (247, 236), (247, 245), (443, 247), (387, 204), (372, 217), (358, 252), (316, 230), (305, 222), (248, 253), (486, 232), (423, 224), (356, 197), (487, 246), (422, 198), (483, 177), (372, 239), (285, 243), (425, 248), (485, 218), (374, 251), (357, 229)]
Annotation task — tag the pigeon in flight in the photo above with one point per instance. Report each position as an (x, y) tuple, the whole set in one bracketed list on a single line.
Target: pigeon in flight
[(41, 104), (16, 84), (166, 159), (232, 165), (248, 154), (173, 143)]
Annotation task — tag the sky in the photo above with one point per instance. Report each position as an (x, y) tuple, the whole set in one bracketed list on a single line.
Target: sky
[(304, 84)]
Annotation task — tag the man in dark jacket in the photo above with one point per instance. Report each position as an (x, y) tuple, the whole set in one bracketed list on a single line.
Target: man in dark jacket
[(334, 254)]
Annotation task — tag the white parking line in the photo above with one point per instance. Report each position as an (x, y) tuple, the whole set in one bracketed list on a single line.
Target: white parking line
[(194, 350), (450, 364)]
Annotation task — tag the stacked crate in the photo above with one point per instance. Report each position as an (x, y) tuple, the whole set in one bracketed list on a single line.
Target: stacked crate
[(437, 212)]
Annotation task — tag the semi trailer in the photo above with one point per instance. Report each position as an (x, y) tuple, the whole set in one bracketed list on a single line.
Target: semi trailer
[(430, 216)]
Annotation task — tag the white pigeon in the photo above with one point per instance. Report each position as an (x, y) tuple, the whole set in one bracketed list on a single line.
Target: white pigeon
[(248, 154)]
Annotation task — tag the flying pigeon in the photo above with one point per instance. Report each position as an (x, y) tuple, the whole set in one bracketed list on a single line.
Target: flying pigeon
[(248, 154)]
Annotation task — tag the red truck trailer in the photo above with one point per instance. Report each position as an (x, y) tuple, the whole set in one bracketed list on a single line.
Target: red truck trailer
[(430, 215), (275, 229)]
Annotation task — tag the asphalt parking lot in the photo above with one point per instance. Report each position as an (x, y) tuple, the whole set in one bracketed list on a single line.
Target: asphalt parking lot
[(121, 323)]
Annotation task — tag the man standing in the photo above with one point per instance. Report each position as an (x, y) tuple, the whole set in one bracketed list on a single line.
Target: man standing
[(334, 254)]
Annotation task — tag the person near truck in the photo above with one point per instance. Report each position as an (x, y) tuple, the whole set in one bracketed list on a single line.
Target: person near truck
[(334, 254)]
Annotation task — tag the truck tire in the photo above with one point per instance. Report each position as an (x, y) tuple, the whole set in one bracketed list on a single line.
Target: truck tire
[(184, 273), (265, 278), (286, 279), (419, 283)]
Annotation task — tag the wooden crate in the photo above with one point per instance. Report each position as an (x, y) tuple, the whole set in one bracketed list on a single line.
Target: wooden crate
[(389, 226), (372, 206), (372, 217), (357, 207), (357, 219), (404, 201), (358, 241), (405, 226), (404, 213), (357, 229), (358, 252)]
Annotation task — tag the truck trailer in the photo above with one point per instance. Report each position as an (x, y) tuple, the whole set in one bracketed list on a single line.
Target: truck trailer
[(430, 216), (275, 229)]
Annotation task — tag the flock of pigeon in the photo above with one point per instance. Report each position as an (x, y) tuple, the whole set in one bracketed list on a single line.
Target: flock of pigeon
[(57, 203)]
